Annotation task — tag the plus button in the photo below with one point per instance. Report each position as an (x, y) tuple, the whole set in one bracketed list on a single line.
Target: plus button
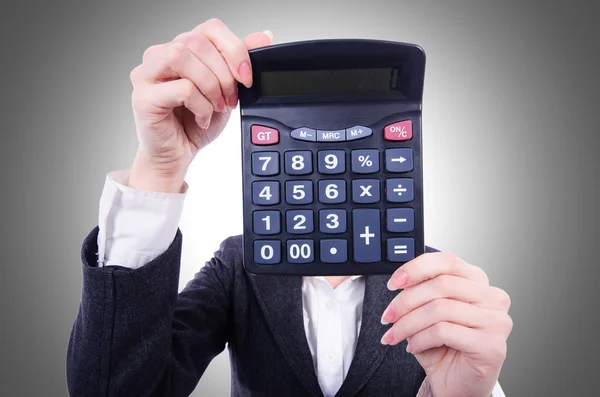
[(367, 235)]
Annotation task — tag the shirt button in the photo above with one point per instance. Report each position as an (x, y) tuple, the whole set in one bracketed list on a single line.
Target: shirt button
[(331, 357), (330, 305)]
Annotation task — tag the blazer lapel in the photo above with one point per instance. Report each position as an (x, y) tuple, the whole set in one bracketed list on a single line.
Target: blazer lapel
[(280, 298), (369, 351)]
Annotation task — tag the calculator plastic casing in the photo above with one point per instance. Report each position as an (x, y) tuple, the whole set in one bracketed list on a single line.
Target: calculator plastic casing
[(330, 112)]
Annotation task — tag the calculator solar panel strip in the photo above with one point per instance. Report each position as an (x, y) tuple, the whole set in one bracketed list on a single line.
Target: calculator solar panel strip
[(331, 158)]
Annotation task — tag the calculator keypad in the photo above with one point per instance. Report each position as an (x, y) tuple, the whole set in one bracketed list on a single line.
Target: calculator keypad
[(321, 202)]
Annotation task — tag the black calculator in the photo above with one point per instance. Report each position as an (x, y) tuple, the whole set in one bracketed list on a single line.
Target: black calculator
[(332, 158)]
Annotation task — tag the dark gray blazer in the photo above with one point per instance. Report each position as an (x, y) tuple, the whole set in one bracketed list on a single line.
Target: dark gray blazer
[(136, 336)]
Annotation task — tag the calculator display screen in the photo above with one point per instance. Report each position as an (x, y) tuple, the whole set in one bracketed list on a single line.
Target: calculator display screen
[(330, 82)]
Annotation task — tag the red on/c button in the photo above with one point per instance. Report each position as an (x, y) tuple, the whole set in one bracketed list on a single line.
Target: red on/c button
[(262, 135), (400, 131)]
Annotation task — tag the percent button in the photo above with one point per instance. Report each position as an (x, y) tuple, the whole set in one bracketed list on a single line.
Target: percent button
[(365, 161)]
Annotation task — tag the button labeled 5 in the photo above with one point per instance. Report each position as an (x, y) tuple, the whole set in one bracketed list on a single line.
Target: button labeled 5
[(298, 192)]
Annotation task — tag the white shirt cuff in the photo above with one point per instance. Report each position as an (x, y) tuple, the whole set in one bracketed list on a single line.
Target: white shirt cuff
[(425, 390), (136, 226)]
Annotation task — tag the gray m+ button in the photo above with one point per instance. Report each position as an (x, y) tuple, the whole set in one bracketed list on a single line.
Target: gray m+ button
[(358, 132)]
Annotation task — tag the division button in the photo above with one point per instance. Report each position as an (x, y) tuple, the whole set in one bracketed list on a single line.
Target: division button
[(366, 235), (334, 251), (400, 131), (304, 134), (400, 249), (331, 136), (262, 135), (399, 190), (267, 252), (399, 160), (400, 220), (358, 132)]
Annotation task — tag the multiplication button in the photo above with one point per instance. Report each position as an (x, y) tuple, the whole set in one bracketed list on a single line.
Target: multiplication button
[(334, 251), (365, 161), (365, 191), (400, 249), (399, 190)]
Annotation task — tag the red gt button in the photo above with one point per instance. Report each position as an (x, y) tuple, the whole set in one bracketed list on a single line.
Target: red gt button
[(262, 135), (400, 131)]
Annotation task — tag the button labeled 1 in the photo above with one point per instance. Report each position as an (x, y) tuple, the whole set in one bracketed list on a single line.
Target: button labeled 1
[(266, 222)]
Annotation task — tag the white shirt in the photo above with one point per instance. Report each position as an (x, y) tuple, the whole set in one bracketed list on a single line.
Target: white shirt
[(137, 226)]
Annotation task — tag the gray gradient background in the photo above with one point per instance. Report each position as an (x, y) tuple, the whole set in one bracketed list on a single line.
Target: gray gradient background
[(510, 138)]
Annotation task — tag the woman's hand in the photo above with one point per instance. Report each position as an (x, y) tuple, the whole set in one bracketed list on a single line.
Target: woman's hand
[(456, 324), (183, 93)]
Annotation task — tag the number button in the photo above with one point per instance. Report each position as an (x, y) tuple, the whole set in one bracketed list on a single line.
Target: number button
[(399, 190), (331, 162), (332, 191), (298, 192), (332, 221), (365, 191), (399, 160), (265, 192), (365, 161), (265, 163), (267, 252), (266, 222), (366, 235), (400, 220), (400, 249), (299, 222), (300, 251), (298, 163), (334, 251)]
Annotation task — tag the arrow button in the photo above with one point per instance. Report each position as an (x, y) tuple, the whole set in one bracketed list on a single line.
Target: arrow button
[(399, 160)]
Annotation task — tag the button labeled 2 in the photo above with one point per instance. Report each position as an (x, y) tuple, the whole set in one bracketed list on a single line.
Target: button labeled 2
[(299, 221)]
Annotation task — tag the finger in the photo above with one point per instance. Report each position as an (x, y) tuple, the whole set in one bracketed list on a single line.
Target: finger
[(258, 39), (445, 286), (464, 339), (206, 52), (456, 312), (232, 48), (152, 50), (430, 265), (156, 101), (177, 61)]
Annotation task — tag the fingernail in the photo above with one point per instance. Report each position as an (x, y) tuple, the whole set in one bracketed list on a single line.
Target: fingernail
[(233, 100), (397, 281), (388, 316), (387, 338), (409, 348), (268, 33), (245, 74), (221, 104)]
